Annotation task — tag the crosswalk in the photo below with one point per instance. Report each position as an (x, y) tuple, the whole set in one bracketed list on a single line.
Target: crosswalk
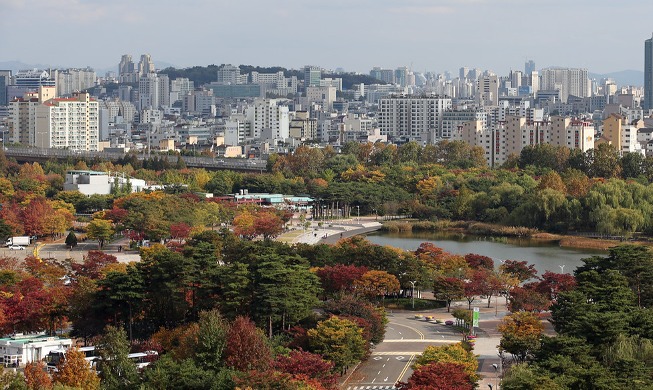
[(390, 387)]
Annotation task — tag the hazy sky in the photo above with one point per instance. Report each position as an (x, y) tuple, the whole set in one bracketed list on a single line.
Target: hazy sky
[(432, 35)]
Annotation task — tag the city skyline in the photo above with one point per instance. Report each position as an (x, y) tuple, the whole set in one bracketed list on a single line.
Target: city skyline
[(425, 35)]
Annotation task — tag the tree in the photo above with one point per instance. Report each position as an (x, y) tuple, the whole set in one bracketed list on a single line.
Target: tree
[(71, 240), (478, 261), (246, 347), (519, 269), (452, 353), (340, 341), (527, 298), (211, 340), (116, 370), (268, 224), (520, 334), (307, 364), (73, 370), (524, 376), (37, 377), (440, 376), (448, 290), (340, 277), (244, 225), (179, 230), (377, 283), (551, 284), (101, 230), (94, 262)]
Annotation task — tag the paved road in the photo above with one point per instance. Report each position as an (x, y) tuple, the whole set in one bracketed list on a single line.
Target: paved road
[(391, 360)]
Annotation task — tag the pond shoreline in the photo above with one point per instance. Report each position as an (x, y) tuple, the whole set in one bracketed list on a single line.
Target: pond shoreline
[(472, 228)]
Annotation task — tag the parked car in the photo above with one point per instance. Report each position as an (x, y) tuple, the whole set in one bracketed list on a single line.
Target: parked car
[(16, 248)]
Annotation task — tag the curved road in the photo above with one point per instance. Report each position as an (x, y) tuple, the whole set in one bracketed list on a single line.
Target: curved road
[(405, 339)]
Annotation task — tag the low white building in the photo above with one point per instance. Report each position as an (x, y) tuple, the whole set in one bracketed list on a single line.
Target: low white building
[(94, 182), (18, 350)]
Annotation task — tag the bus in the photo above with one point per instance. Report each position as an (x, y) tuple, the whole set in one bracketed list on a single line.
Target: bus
[(53, 358)]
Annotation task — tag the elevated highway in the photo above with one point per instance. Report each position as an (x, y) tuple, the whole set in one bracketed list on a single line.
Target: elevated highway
[(44, 154)]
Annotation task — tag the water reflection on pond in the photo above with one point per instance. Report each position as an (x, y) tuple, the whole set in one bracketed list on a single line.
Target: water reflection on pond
[(545, 255)]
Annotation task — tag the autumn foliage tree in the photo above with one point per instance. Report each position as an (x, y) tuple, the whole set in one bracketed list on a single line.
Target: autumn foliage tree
[(439, 376), (339, 277), (301, 363), (377, 284), (247, 348), (520, 334), (452, 353), (74, 371), (36, 376)]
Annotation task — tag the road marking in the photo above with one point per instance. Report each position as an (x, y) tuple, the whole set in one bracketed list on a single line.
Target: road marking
[(403, 353), (421, 341), (378, 373), (420, 334), (403, 372)]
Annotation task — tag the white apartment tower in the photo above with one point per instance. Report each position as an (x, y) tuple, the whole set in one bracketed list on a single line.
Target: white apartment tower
[(487, 90), (68, 123), (410, 118), (267, 116), (153, 91)]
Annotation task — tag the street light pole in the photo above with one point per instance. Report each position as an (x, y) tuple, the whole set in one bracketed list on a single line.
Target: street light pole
[(412, 292), (496, 375), (358, 212), (562, 269)]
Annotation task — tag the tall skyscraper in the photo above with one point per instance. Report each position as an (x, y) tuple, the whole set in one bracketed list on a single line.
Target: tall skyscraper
[(126, 65), (529, 67), (648, 74), (145, 65)]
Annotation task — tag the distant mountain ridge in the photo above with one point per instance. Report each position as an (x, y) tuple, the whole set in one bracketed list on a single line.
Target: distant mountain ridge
[(622, 78)]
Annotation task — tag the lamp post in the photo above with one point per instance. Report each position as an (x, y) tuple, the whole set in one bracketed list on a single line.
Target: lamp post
[(412, 291), (358, 213), (496, 376), (562, 268)]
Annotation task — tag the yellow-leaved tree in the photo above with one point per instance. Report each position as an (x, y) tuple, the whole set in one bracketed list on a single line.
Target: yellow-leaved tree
[(75, 371)]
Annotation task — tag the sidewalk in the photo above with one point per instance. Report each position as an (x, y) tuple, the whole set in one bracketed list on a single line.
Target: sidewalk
[(330, 231)]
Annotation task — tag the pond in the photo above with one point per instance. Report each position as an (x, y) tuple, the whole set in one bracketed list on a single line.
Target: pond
[(544, 255)]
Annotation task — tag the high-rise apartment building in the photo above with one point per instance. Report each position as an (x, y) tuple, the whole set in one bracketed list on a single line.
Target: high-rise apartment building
[(411, 118), (269, 119), (68, 123), (648, 74), (385, 75), (487, 90), (73, 80), (42, 120), (229, 74), (569, 81)]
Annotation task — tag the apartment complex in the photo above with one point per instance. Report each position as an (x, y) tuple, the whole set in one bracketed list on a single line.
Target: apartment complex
[(40, 119), (509, 137)]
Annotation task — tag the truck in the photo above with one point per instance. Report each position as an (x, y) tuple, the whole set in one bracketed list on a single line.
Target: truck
[(19, 240)]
